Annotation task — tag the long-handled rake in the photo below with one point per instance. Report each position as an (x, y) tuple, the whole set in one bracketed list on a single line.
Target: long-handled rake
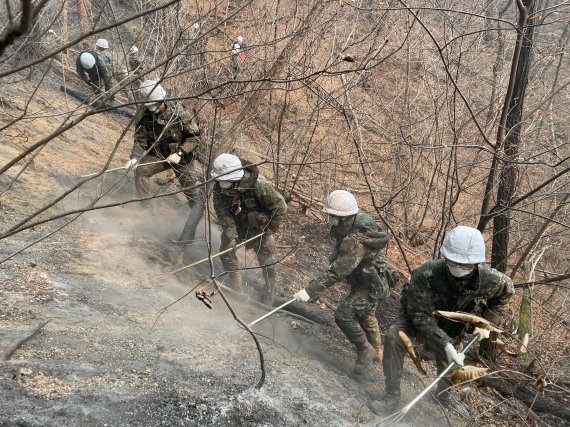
[(275, 310), (123, 168), (265, 316), (397, 417)]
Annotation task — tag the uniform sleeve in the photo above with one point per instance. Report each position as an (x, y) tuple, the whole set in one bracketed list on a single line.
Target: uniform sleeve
[(499, 301), (140, 141), (191, 131), (272, 200), (420, 309), (225, 219), (351, 252)]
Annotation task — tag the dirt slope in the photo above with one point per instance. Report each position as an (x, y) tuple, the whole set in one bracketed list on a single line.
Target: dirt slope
[(117, 351)]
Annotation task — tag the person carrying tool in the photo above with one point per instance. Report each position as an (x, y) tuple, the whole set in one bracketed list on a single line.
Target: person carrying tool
[(359, 259), (132, 67), (95, 70), (246, 205), (458, 282), (165, 130)]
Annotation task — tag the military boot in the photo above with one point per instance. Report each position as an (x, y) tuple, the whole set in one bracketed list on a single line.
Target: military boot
[(386, 405), (364, 359), (269, 292)]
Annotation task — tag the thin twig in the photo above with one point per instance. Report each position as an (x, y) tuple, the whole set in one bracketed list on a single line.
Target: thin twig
[(246, 327)]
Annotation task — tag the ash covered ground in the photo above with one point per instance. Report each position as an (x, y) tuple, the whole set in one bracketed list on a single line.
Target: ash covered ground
[(126, 343)]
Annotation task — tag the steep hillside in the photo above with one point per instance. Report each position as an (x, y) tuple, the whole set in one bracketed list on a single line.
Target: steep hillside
[(127, 344), (400, 105)]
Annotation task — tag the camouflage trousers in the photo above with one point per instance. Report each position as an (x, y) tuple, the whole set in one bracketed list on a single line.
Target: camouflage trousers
[(187, 174), (356, 317), (394, 353), (264, 249)]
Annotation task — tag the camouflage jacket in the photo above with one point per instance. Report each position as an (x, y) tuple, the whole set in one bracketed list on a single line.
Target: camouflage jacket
[(363, 265), (162, 134), (485, 292), (250, 207), (112, 62), (101, 73)]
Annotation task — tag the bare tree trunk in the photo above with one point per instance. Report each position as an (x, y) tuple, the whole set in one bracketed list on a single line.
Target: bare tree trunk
[(512, 129), (83, 16), (64, 18)]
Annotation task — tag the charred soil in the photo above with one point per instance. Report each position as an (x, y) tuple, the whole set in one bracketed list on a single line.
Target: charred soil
[(128, 344)]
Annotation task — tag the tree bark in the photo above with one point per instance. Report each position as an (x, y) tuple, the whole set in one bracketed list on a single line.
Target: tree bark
[(512, 130)]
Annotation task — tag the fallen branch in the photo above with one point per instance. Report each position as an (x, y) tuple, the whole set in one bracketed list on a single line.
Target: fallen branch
[(531, 398), (22, 339)]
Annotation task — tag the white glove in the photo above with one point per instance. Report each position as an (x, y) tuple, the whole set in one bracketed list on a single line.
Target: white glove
[(302, 296), (131, 164), (174, 159), (453, 355)]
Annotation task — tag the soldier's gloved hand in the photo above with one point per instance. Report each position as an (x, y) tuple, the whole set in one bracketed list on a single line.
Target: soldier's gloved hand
[(174, 159), (302, 296), (132, 163), (453, 355)]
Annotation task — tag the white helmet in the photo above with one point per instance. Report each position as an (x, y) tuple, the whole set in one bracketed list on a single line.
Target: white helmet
[(464, 245), (133, 50), (239, 40), (227, 167), (340, 203), (87, 60), (152, 92), (102, 43)]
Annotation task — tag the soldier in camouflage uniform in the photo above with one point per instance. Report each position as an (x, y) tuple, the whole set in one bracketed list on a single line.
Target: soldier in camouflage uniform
[(95, 70), (247, 205), (359, 259), (459, 282), (165, 130)]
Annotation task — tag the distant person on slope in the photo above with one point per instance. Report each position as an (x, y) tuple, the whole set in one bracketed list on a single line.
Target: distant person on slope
[(246, 205), (131, 68), (237, 56), (102, 48), (359, 259), (165, 130), (458, 282), (94, 69)]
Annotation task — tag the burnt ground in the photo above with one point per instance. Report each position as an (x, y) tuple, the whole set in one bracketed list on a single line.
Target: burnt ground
[(127, 344)]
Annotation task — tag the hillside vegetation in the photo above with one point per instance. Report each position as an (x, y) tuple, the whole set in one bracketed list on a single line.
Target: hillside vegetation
[(432, 114)]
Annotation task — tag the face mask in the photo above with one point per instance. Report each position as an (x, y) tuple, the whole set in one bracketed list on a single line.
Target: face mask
[(225, 184), (459, 271), (334, 220), (153, 108)]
